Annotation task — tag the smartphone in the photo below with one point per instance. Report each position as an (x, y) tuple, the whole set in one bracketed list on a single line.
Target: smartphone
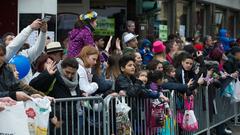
[(46, 18)]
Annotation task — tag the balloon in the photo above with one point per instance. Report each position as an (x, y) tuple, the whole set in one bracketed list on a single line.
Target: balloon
[(22, 64)]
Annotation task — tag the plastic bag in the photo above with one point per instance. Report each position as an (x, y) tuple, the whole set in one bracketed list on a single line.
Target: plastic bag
[(123, 123), (236, 92), (14, 120), (38, 111), (189, 122)]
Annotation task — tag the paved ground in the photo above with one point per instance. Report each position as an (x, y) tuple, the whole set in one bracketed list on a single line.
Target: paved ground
[(236, 130)]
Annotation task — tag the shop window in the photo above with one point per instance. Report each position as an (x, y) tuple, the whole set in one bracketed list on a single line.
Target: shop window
[(26, 19), (65, 23), (218, 21)]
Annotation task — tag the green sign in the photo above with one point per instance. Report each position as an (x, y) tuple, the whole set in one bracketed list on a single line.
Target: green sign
[(105, 27), (163, 32)]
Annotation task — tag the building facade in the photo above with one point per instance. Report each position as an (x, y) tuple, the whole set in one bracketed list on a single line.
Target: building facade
[(154, 18)]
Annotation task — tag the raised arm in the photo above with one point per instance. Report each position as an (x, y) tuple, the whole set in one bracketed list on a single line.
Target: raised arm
[(35, 51), (20, 39)]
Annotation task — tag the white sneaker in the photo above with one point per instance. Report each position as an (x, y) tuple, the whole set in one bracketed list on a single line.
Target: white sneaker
[(228, 131)]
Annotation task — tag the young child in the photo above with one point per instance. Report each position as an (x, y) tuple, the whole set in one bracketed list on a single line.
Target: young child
[(156, 79), (143, 76), (170, 73), (146, 52)]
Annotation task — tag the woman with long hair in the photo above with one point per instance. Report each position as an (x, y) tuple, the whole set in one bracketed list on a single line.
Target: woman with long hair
[(112, 69), (82, 33), (87, 59)]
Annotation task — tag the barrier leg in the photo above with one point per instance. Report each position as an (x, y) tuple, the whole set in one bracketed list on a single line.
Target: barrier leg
[(236, 121), (207, 111)]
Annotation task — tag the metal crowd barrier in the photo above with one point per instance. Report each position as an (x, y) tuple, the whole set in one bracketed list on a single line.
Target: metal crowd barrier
[(237, 114), (212, 109), (79, 116), (95, 116), (138, 115)]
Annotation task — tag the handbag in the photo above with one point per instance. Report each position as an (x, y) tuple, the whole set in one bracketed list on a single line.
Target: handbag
[(189, 122)]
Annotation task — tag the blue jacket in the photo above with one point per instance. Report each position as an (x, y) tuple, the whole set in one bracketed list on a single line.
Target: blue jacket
[(225, 40)]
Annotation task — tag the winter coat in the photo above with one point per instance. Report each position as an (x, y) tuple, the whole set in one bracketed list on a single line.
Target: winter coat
[(78, 38), (207, 50), (60, 90), (85, 78), (133, 87), (8, 83), (184, 77), (173, 84), (231, 65), (103, 83), (225, 40), (147, 55)]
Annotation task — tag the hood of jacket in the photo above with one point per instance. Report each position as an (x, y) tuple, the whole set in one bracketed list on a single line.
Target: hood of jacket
[(222, 32)]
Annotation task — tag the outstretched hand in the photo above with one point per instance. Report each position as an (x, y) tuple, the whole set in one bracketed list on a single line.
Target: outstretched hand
[(51, 68)]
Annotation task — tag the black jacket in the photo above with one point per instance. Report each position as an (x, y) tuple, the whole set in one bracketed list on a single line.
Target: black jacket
[(60, 90), (188, 75), (133, 87), (9, 85), (173, 84), (231, 65)]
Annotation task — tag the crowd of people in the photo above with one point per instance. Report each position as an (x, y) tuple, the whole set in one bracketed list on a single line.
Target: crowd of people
[(125, 66)]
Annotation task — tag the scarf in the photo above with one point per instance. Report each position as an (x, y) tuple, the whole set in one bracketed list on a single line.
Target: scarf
[(72, 85)]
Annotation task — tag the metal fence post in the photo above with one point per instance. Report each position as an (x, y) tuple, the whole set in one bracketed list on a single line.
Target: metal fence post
[(207, 110), (236, 121), (104, 119)]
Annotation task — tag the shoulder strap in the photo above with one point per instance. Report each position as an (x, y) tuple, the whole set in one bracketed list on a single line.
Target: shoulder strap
[(51, 87)]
